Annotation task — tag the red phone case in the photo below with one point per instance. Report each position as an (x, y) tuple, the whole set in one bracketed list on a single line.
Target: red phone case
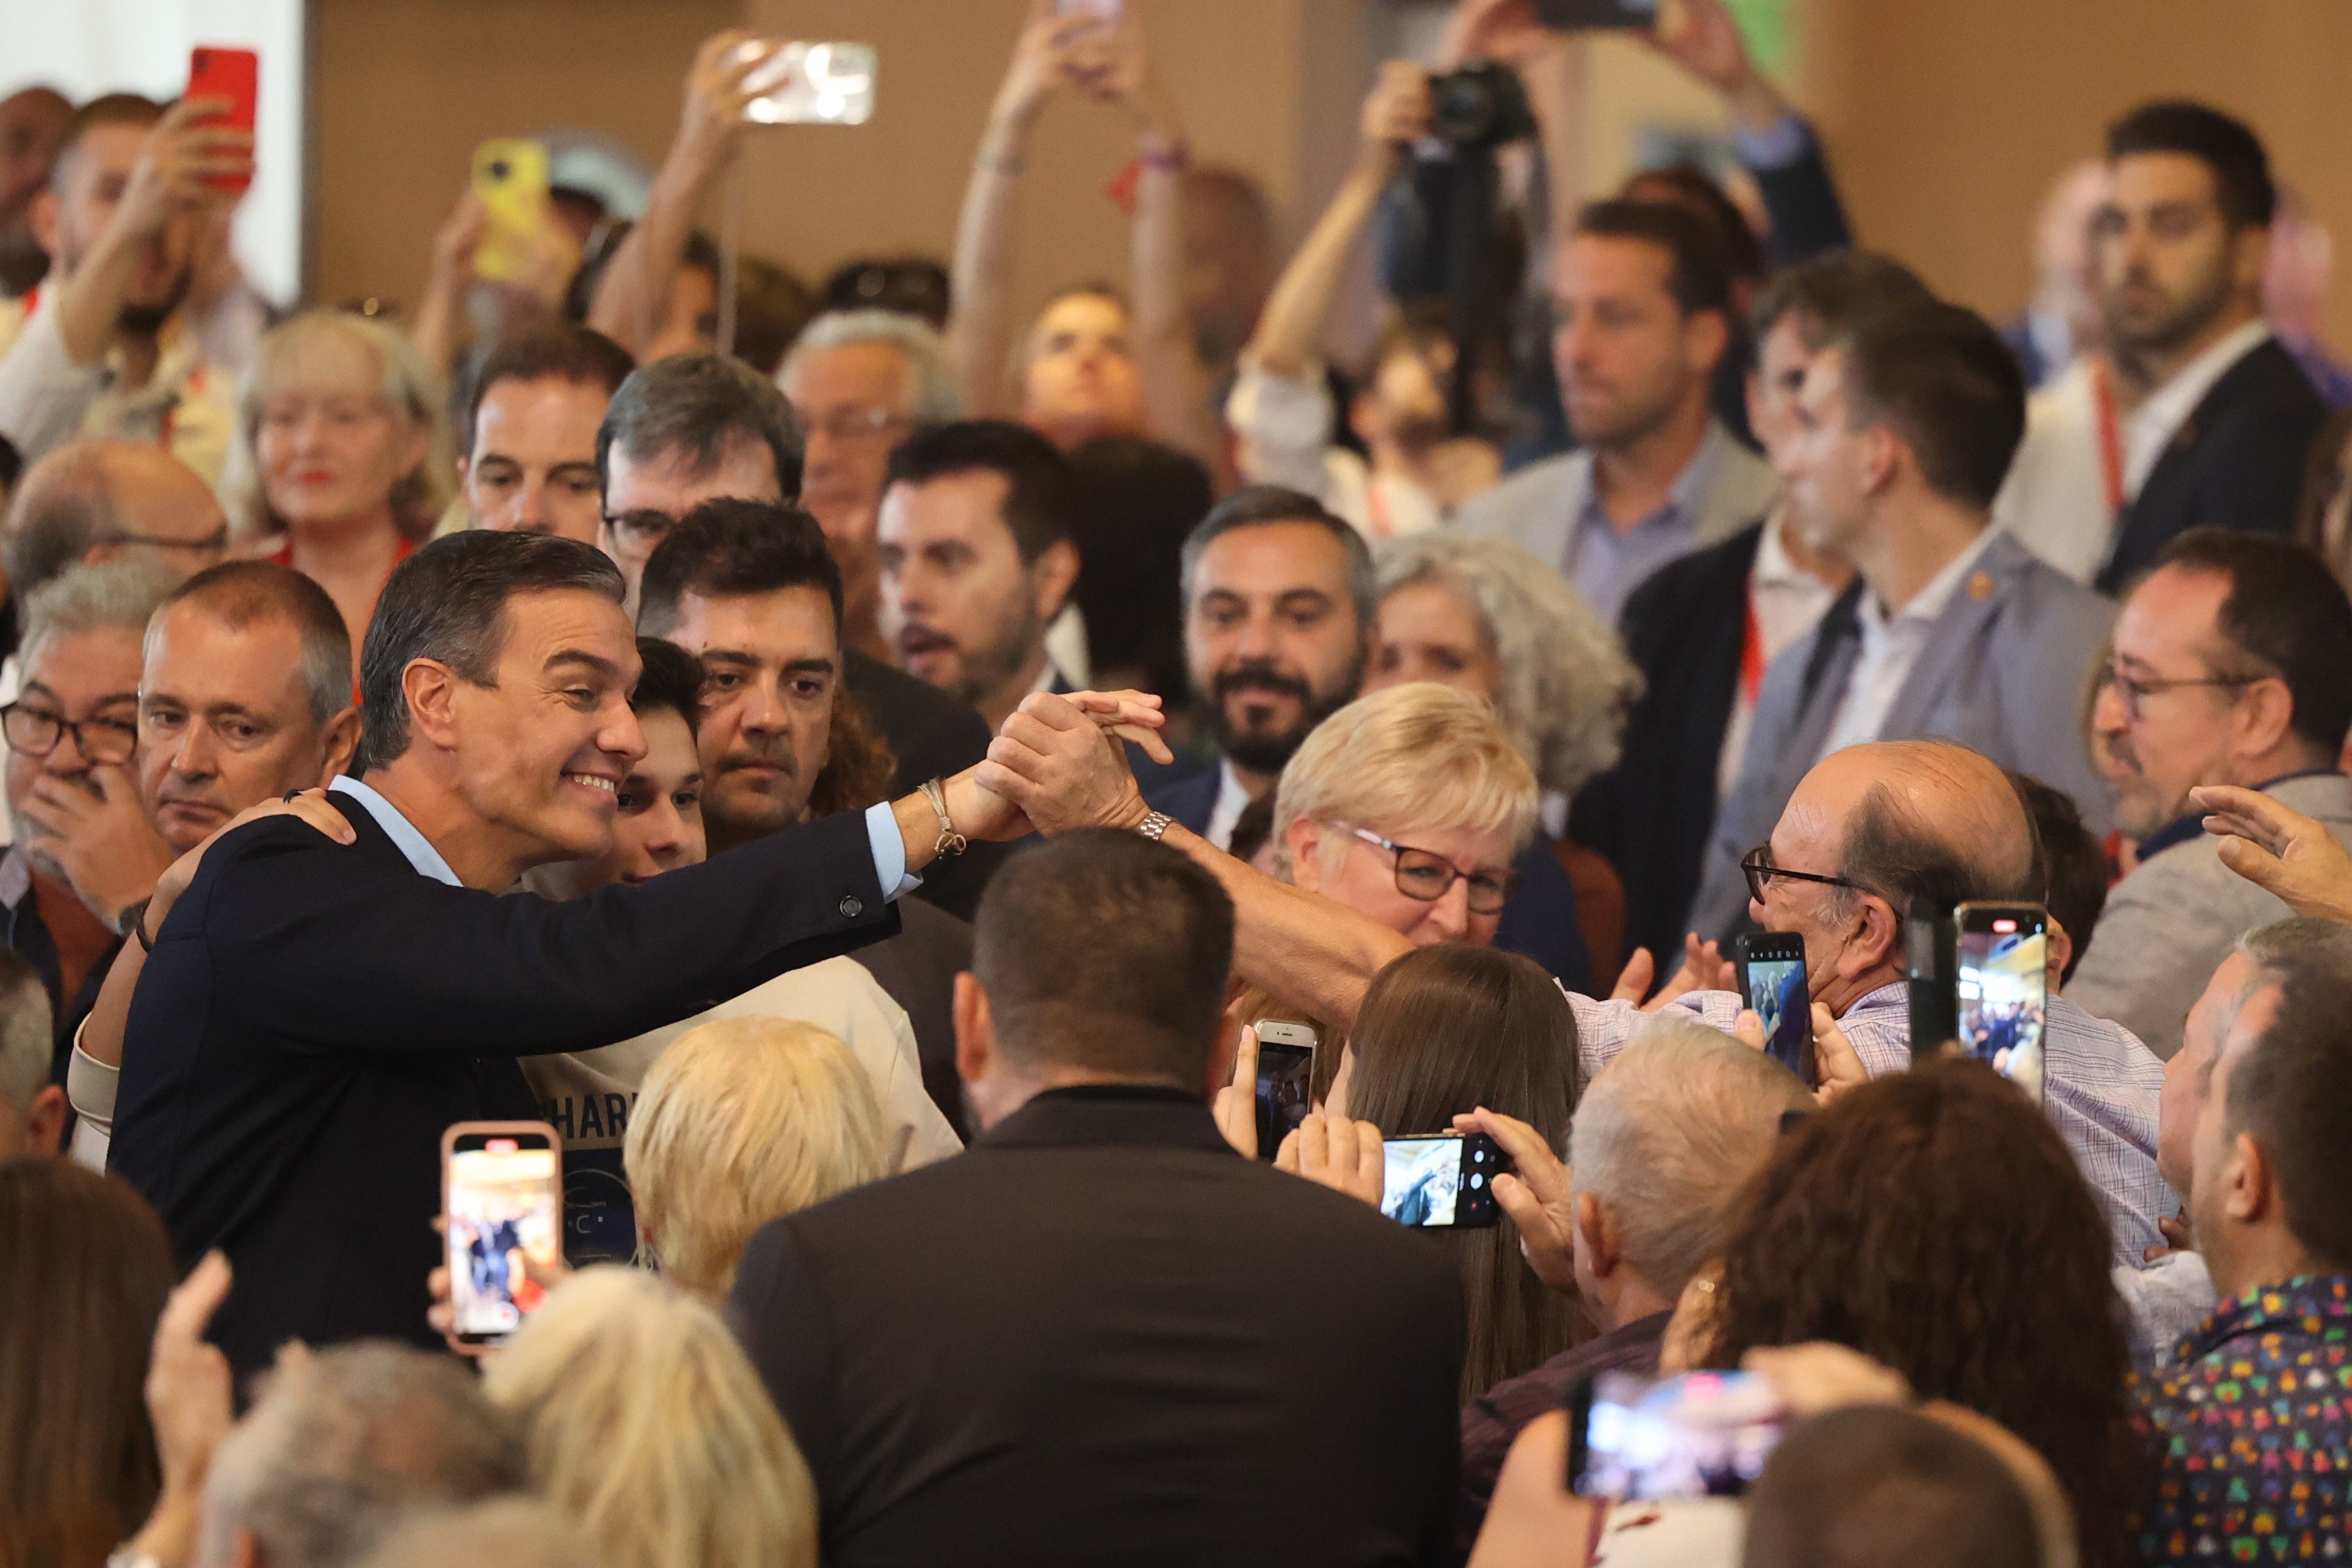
[(231, 74)]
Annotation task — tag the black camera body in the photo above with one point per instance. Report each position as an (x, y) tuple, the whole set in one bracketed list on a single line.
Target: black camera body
[(1479, 107)]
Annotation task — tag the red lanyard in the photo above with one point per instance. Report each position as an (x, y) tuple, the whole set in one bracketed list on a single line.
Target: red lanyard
[(2111, 446)]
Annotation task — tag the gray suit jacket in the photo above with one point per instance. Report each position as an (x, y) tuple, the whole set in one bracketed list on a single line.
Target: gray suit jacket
[(1537, 508), (2169, 924), (2003, 673)]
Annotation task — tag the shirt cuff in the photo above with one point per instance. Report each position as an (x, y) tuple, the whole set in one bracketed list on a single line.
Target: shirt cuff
[(1776, 148), (889, 852)]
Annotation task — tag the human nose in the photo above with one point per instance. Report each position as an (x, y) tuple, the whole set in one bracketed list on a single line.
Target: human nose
[(531, 508), (1257, 638), (762, 709), (1449, 918), (665, 832), (621, 736), (2111, 712), (197, 754)]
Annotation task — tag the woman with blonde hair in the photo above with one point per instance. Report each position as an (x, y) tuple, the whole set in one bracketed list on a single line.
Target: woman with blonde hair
[(342, 455), (645, 1423), (740, 1122)]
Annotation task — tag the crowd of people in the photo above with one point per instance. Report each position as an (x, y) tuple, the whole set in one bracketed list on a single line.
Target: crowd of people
[(869, 777)]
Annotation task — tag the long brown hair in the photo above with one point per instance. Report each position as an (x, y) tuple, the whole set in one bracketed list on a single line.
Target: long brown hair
[(858, 763), (1934, 1219), (84, 1269), (1445, 1030)]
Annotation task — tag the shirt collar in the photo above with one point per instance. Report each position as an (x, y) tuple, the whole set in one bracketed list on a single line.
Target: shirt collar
[(2184, 829), (1928, 602), (1775, 567), (403, 833), (2311, 1302), (1686, 498), (2168, 406)]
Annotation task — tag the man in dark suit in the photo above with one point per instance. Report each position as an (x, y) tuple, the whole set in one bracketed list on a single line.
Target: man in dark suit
[(2220, 438), (1102, 1335), (312, 1015)]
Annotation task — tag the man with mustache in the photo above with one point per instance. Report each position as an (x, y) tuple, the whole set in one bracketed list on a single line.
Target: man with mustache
[(977, 561), (2232, 665), (103, 350), (2177, 252), (1278, 611)]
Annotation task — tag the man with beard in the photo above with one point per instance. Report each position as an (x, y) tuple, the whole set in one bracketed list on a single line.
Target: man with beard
[(1278, 611), (102, 353), (2232, 665), (32, 128), (977, 561), (1641, 305), (2179, 250)]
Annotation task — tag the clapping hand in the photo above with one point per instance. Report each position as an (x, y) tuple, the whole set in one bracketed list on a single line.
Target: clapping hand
[(188, 1402)]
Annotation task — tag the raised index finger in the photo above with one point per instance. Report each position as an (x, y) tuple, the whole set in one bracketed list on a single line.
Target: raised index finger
[(198, 1297)]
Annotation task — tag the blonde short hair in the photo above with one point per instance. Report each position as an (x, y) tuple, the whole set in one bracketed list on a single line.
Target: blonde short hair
[(645, 1423), (740, 1122), (1415, 758), (353, 352)]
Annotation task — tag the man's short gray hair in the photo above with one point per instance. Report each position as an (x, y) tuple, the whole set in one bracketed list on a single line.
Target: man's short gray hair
[(513, 1533), (1667, 1135), (345, 1444), (26, 1037), (112, 595), (1566, 683), (933, 395)]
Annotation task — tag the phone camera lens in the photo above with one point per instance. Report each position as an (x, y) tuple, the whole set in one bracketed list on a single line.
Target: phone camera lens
[(499, 169), (1477, 1180)]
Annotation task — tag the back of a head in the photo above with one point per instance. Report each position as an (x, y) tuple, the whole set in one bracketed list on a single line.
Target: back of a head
[(512, 1532), (1942, 380), (1944, 824), (1872, 1486), (106, 109), (1133, 501), (726, 548), (646, 1422), (242, 593), (69, 502), (1037, 476), (2292, 1092), (691, 408), (1827, 294), (740, 1122), (84, 1271), (2241, 169), (1691, 188), (1443, 1030), (1697, 277), (914, 286), (1935, 1220), (2077, 861), (1667, 1133), (118, 596), (1253, 506), (345, 1442), (448, 601), (1158, 935), (560, 351), (2287, 613), (932, 393)]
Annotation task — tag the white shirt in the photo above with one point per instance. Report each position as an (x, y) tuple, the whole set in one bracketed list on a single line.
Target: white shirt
[(2154, 422), (1787, 602), (187, 406), (1890, 646), (2056, 499), (1232, 799), (1067, 654), (1282, 428)]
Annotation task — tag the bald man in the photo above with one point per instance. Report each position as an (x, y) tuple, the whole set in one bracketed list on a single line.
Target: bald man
[(1868, 829), (32, 128)]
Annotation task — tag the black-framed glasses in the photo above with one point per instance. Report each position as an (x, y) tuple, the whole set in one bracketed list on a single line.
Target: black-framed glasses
[(217, 540), (2134, 690), (36, 731), (1427, 876), (1757, 865)]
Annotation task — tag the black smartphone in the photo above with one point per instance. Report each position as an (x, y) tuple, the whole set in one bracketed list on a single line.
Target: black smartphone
[(1928, 985), (1704, 1434), (2000, 988), (1443, 1181), (1569, 15), (502, 1196), (1772, 982), (1286, 1081)]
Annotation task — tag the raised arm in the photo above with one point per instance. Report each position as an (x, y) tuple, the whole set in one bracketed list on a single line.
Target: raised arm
[(1551, 65), (1395, 115), (438, 327), (980, 325), (632, 302)]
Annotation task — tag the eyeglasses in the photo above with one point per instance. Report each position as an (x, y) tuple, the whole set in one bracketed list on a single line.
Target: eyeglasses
[(36, 731), (215, 541), (1761, 872), (639, 531), (2134, 690), (1425, 875), (851, 422)]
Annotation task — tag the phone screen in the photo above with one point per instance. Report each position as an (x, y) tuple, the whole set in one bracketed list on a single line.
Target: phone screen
[(505, 1197), (1772, 975), (1286, 1087), (2001, 982), (1442, 1181), (809, 84), (1704, 1434)]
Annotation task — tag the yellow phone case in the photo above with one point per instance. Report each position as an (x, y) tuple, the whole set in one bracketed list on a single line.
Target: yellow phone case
[(511, 177)]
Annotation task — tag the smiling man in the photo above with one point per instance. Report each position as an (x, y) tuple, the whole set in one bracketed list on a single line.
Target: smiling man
[(312, 1015)]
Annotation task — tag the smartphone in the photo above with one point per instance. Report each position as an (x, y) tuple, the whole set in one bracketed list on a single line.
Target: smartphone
[(1772, 981), (1105, 11), (510, 178), (231, 74), (2000, 983), (808, 84), (502, 1196), (1443, 1180), (1568, 16), (1704, 1434), (1286, 1081), (1928, 976)]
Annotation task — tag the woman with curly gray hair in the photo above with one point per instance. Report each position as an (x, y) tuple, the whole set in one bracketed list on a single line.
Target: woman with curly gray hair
[(1486, 616)]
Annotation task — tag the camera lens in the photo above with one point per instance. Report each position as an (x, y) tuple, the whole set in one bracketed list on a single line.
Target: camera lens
[(499, 169), (1476, 1180)]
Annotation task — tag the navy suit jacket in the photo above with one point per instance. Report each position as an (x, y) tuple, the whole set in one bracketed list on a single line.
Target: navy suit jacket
[(1189, 800), (315, 1015)]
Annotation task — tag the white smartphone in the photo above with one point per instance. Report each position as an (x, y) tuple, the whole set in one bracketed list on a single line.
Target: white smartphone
[(1286, 1081), (809, 84), (502, 1196)]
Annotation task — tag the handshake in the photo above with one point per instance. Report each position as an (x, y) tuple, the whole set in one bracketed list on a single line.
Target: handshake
[(1056, 765)]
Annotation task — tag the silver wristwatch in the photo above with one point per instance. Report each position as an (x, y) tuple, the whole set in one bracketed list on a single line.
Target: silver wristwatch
[(1154, 825)]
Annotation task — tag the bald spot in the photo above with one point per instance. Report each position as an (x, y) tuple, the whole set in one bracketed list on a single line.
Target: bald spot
[(1933, 792), (148, 491)]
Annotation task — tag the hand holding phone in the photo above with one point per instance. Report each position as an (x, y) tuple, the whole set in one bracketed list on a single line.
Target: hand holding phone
[(1286, 1081), (502, 1196), (1704, 1434), (509, 181), (807, 84), (235, 77), (1443, 1181), (2000, 988), (1772, 982)]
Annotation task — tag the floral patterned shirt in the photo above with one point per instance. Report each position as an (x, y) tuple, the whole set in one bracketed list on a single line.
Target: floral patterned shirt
[(2250, 1426)]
